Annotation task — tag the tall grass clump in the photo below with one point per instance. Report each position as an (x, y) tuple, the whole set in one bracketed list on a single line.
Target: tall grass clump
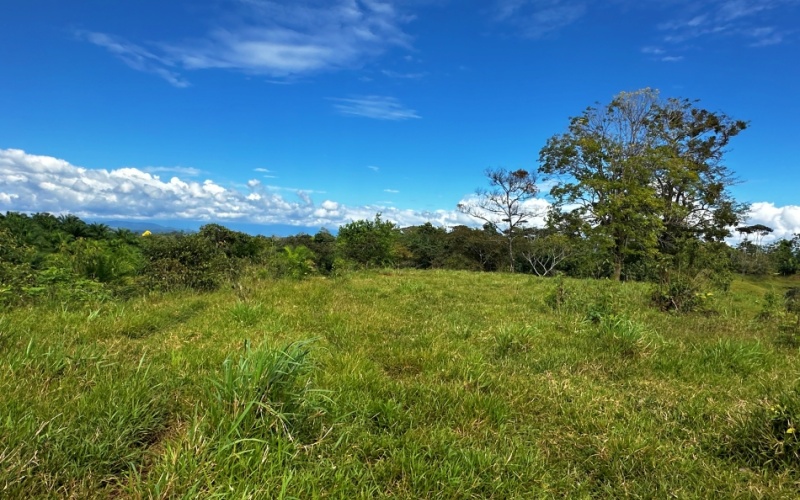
[(265, 392), (767, 435), (247, 314), (79, 441), (622, 337), (731, 355), (511, 340)]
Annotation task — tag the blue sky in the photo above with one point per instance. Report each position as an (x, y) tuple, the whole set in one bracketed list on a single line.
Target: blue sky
[(314, 113)]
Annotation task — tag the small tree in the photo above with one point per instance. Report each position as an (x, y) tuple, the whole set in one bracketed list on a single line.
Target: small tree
[(786, 255), (504, 203), (545, 250), (759, 230)]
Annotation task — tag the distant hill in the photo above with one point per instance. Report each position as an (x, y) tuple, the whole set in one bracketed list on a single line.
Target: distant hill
[(171, 226)]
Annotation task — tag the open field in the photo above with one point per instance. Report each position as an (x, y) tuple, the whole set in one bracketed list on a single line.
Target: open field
[(405, 384)]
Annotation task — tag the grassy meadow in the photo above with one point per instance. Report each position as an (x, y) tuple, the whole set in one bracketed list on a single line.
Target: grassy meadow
[(404, 384)]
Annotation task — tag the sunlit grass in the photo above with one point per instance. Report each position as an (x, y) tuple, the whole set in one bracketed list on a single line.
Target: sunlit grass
[(401, 383)]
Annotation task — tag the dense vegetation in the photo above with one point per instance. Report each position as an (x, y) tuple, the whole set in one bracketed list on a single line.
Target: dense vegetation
[(44, 258)]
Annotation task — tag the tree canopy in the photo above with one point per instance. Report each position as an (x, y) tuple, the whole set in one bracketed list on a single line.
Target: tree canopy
[(645, 175)]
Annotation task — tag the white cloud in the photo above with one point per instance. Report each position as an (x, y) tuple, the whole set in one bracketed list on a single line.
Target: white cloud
[(187, 171), (536, 206), (539, 18), (374, 106), (402, 75), (656, 51), (393, 191), (262, 170), (373, 168), (330, 205), (33, 183), (277, 39), (784, 221), (753, 20), (136, 57)]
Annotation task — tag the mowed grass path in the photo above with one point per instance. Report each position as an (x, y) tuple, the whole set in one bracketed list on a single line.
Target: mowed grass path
[(403, 384)]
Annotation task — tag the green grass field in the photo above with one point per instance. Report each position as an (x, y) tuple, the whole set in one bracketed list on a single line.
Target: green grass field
[(403, 384)]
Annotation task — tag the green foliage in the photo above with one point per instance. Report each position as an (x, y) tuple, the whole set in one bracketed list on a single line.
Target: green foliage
[(297, 263), (324, 248), (683, 292), (178, 261), (427, 245), (646, 175), (105, 261), (771, 306), (474, 249), (559, 296), (369, 243), (786, 255), (233, 244)]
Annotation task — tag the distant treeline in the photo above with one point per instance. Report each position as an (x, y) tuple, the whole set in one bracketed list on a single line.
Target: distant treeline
[(62, 258)]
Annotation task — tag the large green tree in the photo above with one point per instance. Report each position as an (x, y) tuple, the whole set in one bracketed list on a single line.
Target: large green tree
[(645, 175)]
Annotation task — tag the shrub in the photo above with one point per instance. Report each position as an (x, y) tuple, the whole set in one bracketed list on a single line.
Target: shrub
[(185, 261), (369, 243), (297, 262), (682, 292), (558, 297)]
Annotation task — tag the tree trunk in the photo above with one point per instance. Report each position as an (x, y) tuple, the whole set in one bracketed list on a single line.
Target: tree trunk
[(511, 255), (617, 268)]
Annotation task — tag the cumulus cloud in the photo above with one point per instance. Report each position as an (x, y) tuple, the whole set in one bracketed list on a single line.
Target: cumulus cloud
[(537, 207), (784, 221), (277, 39), (34, 183)]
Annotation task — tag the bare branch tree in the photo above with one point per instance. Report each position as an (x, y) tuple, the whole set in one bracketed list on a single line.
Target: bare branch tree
[(543, 252), (503, 204)]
